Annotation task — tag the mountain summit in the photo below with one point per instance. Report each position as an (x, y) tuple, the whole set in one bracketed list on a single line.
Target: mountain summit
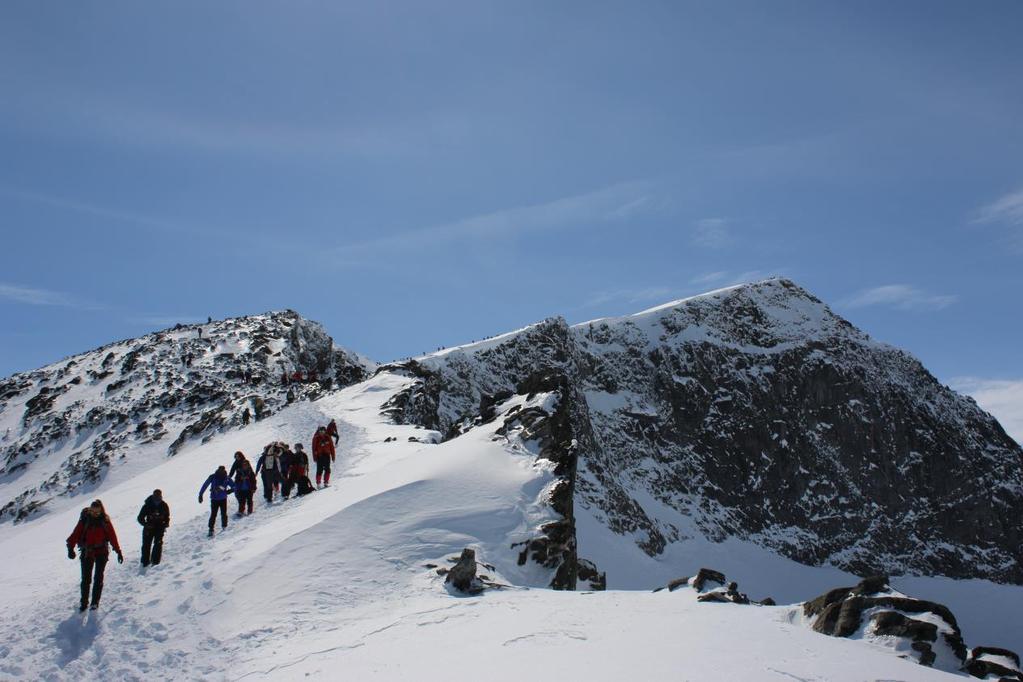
[(66, 426), (752, 412)]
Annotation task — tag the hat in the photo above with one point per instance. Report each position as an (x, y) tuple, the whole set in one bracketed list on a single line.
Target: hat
[(298, 446)]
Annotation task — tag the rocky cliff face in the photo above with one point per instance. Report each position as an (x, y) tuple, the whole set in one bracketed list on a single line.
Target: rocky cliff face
[(754, 412), (64, 426)]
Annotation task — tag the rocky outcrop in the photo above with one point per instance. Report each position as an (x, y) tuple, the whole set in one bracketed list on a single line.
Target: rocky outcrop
[(462, 575), (77, 418), (873, 609), (713, 586), (988, 662)]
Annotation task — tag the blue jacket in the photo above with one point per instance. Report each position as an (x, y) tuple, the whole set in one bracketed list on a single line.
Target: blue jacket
[(222, 487)]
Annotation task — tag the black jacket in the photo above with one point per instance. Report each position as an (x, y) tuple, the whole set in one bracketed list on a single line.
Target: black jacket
[(154, 513)]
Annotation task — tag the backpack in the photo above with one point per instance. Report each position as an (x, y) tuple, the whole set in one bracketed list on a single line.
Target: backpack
[(155, 514)]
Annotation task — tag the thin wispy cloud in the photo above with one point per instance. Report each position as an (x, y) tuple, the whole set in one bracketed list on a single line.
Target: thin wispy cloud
[(638, 295), (611, 204), (164, 321), (709, 278), (1003, 398), (899, 296), (26, 295), (712, 233), (724, 278), (115, 217), (1007, 210)]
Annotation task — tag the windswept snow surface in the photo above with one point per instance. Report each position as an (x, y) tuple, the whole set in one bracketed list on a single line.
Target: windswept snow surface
[(334, 585)]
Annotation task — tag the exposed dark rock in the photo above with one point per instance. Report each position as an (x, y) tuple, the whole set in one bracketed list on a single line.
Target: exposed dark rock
[(462, 575), (981, 664), (840, 613), (707, 575)]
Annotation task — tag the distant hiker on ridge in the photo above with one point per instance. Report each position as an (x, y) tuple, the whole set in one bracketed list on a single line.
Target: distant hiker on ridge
[(220, 486), (92, 535), (323, 455), (244, 482), (154, 517)]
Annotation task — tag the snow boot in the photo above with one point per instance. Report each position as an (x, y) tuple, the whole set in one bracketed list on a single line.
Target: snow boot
[(211, 532), (84, 605), (95, 605)]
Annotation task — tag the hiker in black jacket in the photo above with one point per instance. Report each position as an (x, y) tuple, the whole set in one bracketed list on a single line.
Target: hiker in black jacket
[(154, 517)]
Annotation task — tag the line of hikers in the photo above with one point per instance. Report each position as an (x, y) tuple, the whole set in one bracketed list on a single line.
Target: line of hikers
[(281, 468)]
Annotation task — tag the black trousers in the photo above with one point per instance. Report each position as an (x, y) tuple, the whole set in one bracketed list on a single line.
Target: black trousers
[(152, 545), (92, 575), (244, 498), (222, 506), (269, 478), (322, 467)]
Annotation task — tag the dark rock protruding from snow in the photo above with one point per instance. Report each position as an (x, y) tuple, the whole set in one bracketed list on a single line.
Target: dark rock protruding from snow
[(713, 586), (987, 662), (872, 608), (73, 420), (756, 412), (462, 575)]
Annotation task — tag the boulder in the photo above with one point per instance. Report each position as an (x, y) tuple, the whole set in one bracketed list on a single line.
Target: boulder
[(462, 575)]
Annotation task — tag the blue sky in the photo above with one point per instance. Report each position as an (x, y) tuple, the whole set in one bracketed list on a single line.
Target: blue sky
[(422, 174)]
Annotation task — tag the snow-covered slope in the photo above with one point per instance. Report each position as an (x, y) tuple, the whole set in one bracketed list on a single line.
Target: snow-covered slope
[(121, 408), (342, 582)]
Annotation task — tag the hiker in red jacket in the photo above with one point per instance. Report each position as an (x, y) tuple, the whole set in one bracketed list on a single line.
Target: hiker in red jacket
[(323, 455), (92, 535), (332, 431)]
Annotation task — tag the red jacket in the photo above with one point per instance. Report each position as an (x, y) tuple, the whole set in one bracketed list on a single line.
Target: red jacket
[(323, 446), (93, 536)]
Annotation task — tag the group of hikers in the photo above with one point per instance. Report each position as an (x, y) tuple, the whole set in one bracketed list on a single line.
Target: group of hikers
[(281, 468)]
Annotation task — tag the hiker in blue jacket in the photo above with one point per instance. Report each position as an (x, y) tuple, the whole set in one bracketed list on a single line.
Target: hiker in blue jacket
[(220, 485)]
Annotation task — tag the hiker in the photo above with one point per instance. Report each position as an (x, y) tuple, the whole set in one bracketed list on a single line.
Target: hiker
[(269, 466), (323, 455), (220, 485), (298, 473), (154, 517), (92, 535), (287, 458), (244, 482), (332, 431)]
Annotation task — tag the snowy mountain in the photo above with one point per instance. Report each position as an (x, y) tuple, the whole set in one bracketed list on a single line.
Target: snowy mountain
[(624, 453), (125, 405), (752, 412)]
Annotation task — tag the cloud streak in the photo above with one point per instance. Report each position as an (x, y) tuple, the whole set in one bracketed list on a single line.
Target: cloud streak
[(616, 203), (636, 295), (25, 295), (1007, 210), (712, 233), (1001, 397), (901, 297)]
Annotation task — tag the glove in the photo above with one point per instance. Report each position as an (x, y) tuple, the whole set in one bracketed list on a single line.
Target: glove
[(70, 552), (200, 499), (120, 558)]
